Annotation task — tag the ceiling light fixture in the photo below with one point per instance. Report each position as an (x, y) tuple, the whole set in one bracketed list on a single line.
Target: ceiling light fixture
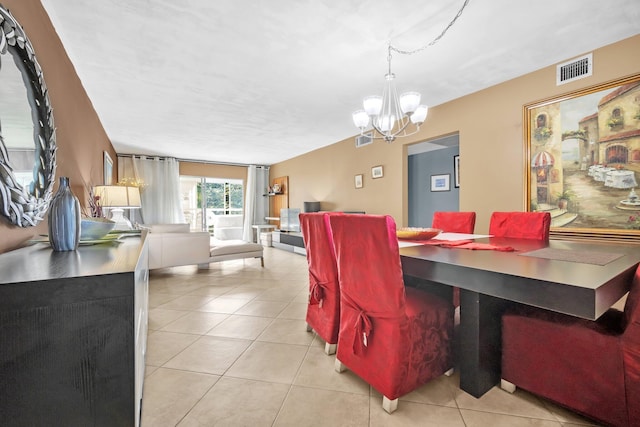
[(390, 114)]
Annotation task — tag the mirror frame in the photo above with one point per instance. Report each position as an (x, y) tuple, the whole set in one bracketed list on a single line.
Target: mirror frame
[(20, 206)]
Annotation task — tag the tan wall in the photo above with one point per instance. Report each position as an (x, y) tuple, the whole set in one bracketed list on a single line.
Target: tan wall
[(80, 136), (490, 126)]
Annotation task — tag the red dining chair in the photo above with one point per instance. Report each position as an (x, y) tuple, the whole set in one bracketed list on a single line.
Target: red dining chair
[(524, 225), (591, 367), (455, 222), (394, 338), (323, 310)]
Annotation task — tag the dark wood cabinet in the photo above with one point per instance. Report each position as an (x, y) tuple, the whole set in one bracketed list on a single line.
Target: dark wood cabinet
[(73, 331)]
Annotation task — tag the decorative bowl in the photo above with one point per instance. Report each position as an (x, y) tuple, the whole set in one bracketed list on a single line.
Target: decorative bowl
[(415, 233), (95, 228)]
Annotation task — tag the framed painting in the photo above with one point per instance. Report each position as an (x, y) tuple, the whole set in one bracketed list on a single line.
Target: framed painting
[(358, 181), (456, 171), (440, 182), (376, 172), (107, 169), (582, 157)]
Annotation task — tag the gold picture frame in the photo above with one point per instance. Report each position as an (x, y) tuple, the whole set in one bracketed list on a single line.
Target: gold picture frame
[(582, 160)]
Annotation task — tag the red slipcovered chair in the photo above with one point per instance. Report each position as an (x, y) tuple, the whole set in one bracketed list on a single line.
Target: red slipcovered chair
[(591, 367), (394, 338), (323, 311), (455, 222), (524, 225)]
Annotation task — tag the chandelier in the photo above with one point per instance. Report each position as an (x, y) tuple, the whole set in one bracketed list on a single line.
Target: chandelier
[(391, 115)]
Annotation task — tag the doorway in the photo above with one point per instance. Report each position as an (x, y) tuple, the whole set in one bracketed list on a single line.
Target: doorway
[(427, 159)]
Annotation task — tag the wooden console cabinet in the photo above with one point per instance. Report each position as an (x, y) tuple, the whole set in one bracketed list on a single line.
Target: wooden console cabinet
[(73, 332)]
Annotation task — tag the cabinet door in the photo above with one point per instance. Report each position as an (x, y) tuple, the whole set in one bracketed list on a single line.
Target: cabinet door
[(141, 316)]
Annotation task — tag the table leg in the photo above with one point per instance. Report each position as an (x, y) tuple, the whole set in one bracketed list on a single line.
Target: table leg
[(479, 346)]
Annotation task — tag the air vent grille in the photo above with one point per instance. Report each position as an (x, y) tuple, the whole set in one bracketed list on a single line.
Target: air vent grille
[(575, 69), (362, 140)]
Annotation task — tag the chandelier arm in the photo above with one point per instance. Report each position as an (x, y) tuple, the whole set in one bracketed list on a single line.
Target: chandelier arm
[(432, 42), (391, 136)]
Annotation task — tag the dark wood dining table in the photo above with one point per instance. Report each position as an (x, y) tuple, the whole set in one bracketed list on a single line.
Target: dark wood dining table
[(582, 279)]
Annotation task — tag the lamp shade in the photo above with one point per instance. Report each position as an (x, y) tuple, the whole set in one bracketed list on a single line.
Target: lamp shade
[(409, 101), (372, 105), (117, 196), (420, 114), (360, 119)]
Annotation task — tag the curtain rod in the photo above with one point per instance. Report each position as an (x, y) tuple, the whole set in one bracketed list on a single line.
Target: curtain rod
[(209, 162)]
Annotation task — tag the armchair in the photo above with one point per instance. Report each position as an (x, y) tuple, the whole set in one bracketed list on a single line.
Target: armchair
[(394, 338), (591, 367)]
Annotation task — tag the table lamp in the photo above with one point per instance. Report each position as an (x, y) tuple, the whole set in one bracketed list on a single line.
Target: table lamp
[(117, 198)]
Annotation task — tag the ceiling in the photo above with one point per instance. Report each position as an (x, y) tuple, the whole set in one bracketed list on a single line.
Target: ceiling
[(262, 81)]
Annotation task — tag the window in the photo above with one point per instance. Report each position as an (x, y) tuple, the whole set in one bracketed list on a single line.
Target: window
[(203, 198)]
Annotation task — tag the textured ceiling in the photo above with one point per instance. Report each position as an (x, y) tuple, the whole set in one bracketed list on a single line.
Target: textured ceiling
[(262, 81)]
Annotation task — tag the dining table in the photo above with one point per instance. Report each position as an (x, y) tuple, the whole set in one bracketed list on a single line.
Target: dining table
[(579, 278)]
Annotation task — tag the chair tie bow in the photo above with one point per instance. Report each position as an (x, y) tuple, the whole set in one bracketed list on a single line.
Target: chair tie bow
[(363, 325), (317, 291)]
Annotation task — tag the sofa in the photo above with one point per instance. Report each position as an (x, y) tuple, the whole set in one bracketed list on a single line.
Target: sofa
[(228, 227), (172, 245)]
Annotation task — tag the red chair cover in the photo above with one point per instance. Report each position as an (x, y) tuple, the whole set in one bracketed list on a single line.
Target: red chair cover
[(590, 367), (323, 311), (396, 339), (454, 222), (524, 225)]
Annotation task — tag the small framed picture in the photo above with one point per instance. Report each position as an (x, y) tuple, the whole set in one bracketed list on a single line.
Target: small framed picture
[(108, 169), (456, 171), (358, 181), (376, 172), (440, 182)]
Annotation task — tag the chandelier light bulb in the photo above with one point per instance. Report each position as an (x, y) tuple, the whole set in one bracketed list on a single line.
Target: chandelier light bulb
[(386, 123)]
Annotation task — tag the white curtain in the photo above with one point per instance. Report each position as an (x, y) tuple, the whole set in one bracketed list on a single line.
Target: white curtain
[(160, 195), (256, 206)]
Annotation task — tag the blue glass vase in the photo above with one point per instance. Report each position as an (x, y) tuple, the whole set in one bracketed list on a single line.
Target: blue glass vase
[(64, 219)]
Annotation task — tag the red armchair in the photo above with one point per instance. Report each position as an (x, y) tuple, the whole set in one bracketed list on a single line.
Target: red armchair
[(455, 222), (394, 338), (323, 311), (591, 367), (525, 225)]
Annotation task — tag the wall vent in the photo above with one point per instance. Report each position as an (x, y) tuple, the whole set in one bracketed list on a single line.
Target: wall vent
[(577, 68), (362, 140)]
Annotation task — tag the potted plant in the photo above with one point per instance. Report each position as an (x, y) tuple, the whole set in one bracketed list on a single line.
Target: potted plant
[(564, 197)]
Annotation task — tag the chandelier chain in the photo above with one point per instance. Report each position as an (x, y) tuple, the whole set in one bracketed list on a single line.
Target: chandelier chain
[(432, 42)]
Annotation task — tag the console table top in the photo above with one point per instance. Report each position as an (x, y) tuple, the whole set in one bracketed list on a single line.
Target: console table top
[(39, 262)]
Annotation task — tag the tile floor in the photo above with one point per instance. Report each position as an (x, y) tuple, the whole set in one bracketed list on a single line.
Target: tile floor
[(228, 347)]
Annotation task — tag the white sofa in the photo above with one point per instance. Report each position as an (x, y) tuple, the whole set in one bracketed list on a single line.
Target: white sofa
[(172, 245), (228, 227)]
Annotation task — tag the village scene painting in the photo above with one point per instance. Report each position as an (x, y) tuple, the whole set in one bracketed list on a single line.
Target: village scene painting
[(584, 159)]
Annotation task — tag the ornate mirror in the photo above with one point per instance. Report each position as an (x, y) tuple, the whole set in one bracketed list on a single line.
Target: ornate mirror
[(27, 132)]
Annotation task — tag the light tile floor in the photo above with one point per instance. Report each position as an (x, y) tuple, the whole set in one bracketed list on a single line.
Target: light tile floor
[(228, 347)]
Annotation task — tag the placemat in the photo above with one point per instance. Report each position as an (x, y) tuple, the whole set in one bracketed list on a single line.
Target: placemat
[(584, 257)]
